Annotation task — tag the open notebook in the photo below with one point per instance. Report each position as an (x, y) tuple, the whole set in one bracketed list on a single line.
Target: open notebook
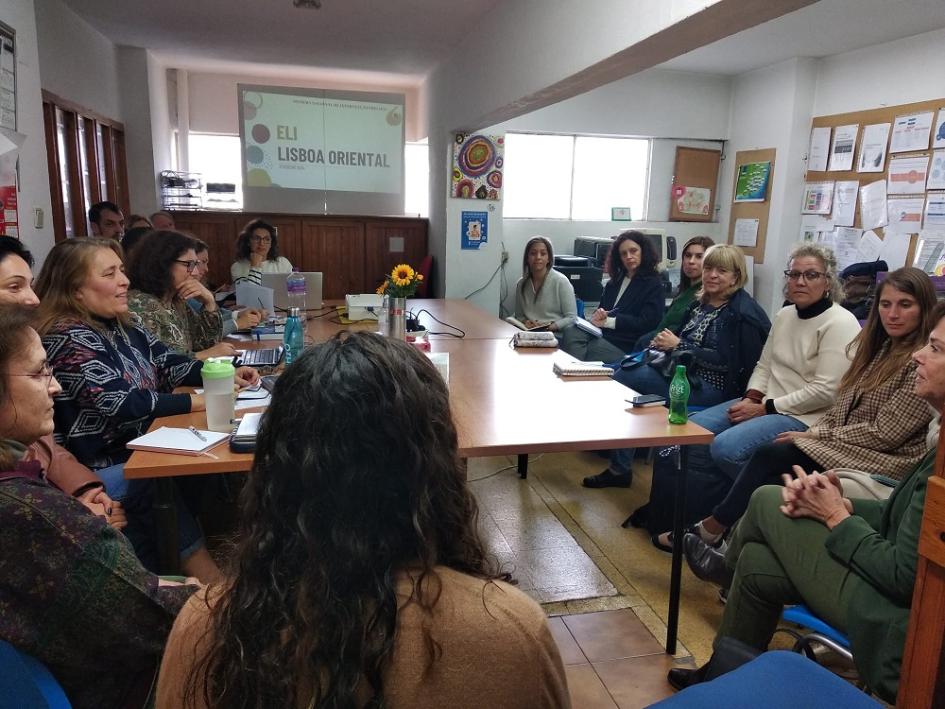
[(177, 440)]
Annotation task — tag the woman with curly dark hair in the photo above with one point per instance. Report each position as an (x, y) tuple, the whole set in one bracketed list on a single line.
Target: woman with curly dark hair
[(359, 578), (632, 303), (257, 252), (162, 272)]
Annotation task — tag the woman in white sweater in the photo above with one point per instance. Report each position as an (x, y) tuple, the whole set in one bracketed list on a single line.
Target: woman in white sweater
[(257, 252), (543, 296)]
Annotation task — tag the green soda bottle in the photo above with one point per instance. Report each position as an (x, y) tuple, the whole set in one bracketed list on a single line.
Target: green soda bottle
[(679, 396)]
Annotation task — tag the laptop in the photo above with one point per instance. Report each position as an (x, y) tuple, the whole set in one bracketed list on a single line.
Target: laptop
[(280, 296)]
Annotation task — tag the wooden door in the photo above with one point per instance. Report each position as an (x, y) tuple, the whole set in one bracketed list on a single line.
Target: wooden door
[(387, 244), (336, 248)]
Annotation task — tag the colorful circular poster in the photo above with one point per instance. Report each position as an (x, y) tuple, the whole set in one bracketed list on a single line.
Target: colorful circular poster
[(476, 156)]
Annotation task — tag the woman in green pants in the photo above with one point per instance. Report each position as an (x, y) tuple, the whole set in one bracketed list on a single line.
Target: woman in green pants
[(853, 563)]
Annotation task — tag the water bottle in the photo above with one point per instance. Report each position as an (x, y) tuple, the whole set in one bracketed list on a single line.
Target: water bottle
[(294, 338), (382, 317), (295, 289), (679, 396)]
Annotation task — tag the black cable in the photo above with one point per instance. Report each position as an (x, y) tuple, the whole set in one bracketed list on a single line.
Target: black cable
[(486, 285), (445, 324)]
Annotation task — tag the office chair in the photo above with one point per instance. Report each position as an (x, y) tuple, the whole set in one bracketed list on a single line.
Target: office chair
[(819, 632), (25, 683)]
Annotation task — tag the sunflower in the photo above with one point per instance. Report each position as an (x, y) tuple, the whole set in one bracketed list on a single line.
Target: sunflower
[(402, 275), (381, 288)]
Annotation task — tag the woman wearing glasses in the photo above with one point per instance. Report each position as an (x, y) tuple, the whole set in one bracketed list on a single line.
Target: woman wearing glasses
[(878, 424), (116, 379), (257, 252), (162, 269)]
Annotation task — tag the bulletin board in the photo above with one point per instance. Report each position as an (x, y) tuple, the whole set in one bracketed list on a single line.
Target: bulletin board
[(695, 176), (886, 114), (752, 210)]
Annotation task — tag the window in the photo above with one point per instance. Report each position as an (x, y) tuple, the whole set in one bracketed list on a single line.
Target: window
[(574, 177), (86, 161), (417, 179), (218, 159)]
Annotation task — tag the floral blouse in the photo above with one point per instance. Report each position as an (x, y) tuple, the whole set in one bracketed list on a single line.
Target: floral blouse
[(180, 327)]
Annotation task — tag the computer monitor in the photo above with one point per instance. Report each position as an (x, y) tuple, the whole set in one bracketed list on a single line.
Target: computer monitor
[(587, 281), (596, 247)]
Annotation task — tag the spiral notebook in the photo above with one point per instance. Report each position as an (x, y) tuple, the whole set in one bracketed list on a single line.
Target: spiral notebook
[(178, 440), (581, 369)]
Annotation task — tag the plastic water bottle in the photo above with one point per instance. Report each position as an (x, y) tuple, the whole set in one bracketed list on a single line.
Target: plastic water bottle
[(295, 289), (382, 317), (679, 396), (294, 337)]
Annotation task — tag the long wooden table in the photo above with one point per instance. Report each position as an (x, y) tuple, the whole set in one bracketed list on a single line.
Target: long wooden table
[(504, 402)]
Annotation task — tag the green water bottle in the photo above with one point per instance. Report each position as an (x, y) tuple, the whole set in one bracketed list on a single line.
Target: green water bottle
[(679, 396)]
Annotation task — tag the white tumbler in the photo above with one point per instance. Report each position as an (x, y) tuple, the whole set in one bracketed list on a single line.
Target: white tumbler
[(219, 376)]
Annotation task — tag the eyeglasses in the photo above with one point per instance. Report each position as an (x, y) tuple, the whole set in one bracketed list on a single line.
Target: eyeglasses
[(261, 239), (809, 276), (191, 265), (46, 372)]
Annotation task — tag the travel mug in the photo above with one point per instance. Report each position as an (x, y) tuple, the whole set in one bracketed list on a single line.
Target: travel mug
[(218, 378)]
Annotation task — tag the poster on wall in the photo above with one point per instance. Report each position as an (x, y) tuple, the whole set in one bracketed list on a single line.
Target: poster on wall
[(477, 167), (7, 77), (474, 229), (692, 200), (752, 182)]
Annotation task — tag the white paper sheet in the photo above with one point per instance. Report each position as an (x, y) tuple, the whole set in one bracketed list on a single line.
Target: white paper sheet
[(934, 211), (938, 130), (819, 149), (868, 247), (905, 215), (907, 175), (936, 179), (930, 247), (846, 241), (818, 197), (844, 143), (873, 149), (746, 233), (844, 202), (873, 205), (750, 270), (895, 249), (911, 132), (253, 296)]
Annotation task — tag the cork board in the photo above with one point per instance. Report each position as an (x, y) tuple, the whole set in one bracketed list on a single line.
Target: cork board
[(886, 114), (752, 210), (696, 170)]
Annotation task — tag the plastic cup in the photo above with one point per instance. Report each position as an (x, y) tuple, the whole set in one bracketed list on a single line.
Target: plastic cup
[(219, 376)]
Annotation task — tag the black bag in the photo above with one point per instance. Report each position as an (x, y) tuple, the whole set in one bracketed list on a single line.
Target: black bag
[(703, 493)]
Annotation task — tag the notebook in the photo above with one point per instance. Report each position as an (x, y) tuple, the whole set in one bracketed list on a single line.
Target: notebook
[(177, 440), (588, 327), (581, 369)]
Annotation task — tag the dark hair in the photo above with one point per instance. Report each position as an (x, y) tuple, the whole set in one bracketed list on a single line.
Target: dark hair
[(648, 257), (200, 245), (526, 272), (705, 242), (328, 521), (95, 211), (11, 245), (14, 322), (870, 340), (149, 266), (162, 212), (242, 241), (131, 238)]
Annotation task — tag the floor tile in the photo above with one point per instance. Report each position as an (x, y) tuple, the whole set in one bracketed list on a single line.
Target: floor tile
[(636, 681), (586, 689), (611, 635), (570, 652)]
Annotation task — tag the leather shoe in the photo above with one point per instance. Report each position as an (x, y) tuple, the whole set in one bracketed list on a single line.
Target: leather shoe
[(707, 562), (608, 478), (679, 677)]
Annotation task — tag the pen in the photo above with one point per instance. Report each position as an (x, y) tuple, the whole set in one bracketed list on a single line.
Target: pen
[(197, 433), (261, 303)]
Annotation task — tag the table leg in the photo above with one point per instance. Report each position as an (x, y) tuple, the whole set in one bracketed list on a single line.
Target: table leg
[(165, 520), (675, 577), (523, 465)]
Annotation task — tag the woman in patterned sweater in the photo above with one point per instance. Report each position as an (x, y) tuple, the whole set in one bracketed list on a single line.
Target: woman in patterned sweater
[(877, 425)]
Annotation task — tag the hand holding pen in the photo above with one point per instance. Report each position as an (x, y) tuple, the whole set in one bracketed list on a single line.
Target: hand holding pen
[(599, 317)]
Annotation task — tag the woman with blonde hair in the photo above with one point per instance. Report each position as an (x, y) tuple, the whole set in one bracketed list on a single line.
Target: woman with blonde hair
[(719, 341)]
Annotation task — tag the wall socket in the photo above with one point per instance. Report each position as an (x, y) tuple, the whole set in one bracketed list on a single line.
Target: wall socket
[(38, 217), (505, 257)]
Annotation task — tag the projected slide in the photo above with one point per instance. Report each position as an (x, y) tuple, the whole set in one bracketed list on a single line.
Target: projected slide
[(331, 142)]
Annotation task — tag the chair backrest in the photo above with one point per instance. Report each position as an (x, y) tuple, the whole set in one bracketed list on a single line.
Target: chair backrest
[(25, 683)]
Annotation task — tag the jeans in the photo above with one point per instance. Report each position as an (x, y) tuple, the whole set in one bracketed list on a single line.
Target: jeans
[(588, 348), (137, 499), (646, 380)]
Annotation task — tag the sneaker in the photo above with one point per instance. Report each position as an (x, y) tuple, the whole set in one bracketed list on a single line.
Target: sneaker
[(608, 478)]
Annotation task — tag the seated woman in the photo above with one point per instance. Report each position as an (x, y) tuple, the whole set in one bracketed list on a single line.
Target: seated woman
[(161, 269), (690, 282), (720, 341), (16, 276), (257, 252), (233, 320), (370, 548), (116, 380), (878, 423), (794, 382), (543, 296), (631, 305), (74, 597), (852, 562)]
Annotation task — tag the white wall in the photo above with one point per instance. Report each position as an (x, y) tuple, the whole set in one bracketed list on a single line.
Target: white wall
[(134, 74), (76, 61), (34, 179)]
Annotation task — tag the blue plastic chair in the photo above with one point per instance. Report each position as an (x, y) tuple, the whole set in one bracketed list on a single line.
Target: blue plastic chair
[(820, 632), (774, 680), (25, 683)]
